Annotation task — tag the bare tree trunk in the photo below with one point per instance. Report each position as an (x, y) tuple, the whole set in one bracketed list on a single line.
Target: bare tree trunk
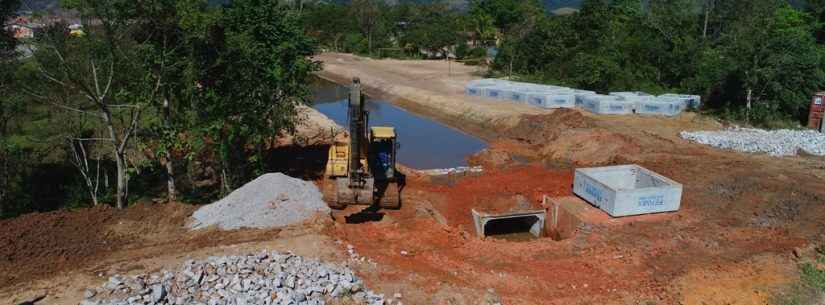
[(170, 165), (705, 29), (122, 190), (81, 162), (120, 160), (511, 68), (170, 179), (708, 7), (225, 181), (748, 106), (4, 180), (4, 165)]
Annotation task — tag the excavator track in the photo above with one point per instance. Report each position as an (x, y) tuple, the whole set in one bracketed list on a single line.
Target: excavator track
[(389, 196), (330, 192)]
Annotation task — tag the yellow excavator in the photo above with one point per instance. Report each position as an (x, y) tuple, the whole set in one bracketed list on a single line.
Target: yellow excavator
[(361, 166)]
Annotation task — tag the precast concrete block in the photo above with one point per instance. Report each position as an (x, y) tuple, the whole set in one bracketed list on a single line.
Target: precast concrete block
[(627, 190)]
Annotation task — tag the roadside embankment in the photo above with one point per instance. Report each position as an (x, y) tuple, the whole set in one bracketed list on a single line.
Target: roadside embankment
[(313, 128)]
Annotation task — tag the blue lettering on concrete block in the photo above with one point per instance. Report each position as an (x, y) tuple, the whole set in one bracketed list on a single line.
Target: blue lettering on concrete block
[(516, 96), (493, 94), (651, 108), (561, 102), (651, 201), (594, 191), (616, 108)]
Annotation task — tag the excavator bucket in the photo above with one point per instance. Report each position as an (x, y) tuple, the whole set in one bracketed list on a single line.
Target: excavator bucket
[(358, 193)]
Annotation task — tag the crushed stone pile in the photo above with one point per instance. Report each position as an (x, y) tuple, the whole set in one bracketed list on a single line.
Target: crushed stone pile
[(268, 278), (271, 200), (783, 142)]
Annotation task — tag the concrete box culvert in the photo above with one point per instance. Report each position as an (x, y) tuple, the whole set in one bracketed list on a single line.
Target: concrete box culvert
[(552, 99), (627, 190), (607, 104), (473, 90), (494, 92), (565, 215), (660, 107), (488, 224), (688, 101)]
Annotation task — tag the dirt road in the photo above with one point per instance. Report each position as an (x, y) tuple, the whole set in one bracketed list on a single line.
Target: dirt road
[(732, 242)]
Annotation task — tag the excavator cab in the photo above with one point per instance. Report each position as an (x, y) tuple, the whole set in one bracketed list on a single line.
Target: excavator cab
[(383, 147)]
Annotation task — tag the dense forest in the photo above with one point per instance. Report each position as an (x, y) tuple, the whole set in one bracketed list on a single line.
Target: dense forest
[(149, 92), (752, 61), (179, 98)]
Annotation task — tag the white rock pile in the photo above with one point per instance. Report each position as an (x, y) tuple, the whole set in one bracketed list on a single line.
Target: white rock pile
[(271, 200), (783, 142), (268, 278), (453, 170)]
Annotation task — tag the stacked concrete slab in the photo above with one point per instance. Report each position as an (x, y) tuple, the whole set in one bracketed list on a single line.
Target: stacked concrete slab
[(689, 101), (607, 104), (542, 96), (549, 96)]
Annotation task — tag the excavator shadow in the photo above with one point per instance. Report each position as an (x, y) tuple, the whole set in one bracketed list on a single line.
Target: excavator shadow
[(368, 214)]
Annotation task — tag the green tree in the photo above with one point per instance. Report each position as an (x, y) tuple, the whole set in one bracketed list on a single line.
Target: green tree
[(8, 9), (10, 103), (328, 23), (99, 74), (773, 63), (165, 50), (252, 69), (505, 14), (433, 28), (367, 15), (817, 9)]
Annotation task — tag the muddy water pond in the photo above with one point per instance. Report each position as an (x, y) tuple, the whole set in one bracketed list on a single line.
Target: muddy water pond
[(425, 144)]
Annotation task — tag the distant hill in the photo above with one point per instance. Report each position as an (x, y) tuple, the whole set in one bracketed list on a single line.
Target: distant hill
[(564, 11), (49, 5), (39, 5), (557, 7), (552, 5)]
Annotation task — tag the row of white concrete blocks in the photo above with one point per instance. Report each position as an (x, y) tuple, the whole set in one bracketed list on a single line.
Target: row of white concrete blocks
[(549, 96)]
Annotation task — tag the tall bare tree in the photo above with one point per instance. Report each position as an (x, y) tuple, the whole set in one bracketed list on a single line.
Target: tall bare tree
[(98, 70), (9, 105), (90, 172)]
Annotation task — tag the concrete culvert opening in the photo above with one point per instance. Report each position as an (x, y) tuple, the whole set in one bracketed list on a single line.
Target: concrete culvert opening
[(515, 228)]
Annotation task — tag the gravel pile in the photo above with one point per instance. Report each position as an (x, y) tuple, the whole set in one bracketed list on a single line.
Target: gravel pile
[(271, 200), (782, 142), (269, 278)]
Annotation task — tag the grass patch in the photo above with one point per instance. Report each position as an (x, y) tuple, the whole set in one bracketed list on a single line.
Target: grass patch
[(811, 286)]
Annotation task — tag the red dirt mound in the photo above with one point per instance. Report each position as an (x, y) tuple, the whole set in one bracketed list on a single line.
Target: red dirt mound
[(530, 181), (39, 244), (49, 242), (541, 128), (590, 147)]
